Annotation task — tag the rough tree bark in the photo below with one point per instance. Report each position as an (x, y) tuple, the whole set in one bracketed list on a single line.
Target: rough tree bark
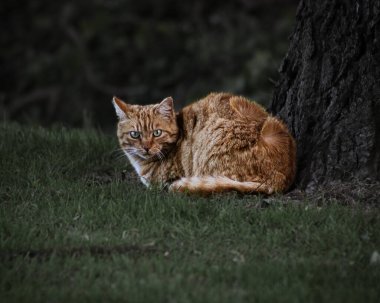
[(329, 90)]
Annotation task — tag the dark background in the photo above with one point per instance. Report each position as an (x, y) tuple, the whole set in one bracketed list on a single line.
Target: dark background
[(61, 62)]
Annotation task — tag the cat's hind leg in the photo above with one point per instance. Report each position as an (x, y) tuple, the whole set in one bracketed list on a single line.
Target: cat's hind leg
[(209, 185)]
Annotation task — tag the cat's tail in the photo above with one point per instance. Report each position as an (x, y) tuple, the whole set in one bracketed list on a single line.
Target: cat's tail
[(209, 185)]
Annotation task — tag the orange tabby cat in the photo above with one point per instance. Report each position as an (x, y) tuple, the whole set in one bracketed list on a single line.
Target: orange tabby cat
[(220, 143)]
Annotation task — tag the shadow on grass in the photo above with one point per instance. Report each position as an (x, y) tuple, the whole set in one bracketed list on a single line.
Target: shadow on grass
[(353, 193), (75, 252)]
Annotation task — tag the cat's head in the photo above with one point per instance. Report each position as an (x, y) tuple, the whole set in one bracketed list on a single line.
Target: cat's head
[(149, 131)]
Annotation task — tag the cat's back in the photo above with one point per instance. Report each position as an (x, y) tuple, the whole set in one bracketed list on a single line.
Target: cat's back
[(213, 105), (228, 135), (217, 107)]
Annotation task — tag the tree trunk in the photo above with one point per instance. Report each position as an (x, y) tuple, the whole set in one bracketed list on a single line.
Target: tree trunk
[(329, 91)]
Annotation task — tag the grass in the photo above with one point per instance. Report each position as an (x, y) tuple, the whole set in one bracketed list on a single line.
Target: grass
[(76, 226)]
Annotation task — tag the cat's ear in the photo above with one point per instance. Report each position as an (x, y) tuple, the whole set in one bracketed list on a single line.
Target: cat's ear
[(165, 108), (121, 108)]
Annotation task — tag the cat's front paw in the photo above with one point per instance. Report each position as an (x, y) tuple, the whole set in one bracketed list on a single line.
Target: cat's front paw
[(178, 186)]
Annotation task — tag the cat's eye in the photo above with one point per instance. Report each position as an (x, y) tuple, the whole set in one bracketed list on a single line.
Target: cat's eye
[(134, 134), (157, 132)]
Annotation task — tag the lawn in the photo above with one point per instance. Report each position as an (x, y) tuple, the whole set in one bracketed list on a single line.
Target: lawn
[(76, 226)]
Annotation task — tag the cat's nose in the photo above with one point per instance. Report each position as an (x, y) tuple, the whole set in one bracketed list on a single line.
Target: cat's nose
[(146, 148)]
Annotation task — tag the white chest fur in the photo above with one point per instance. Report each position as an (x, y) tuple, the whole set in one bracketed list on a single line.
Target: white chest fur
[(137, 167)]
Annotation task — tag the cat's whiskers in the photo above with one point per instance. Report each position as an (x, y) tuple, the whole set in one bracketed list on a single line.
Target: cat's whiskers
[(119, 157), (158, 154), (161, 156), (136, 152), (131, 151), (118, 153)]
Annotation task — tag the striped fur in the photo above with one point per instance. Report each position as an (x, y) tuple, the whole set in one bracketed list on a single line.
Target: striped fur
[(220, 143)]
